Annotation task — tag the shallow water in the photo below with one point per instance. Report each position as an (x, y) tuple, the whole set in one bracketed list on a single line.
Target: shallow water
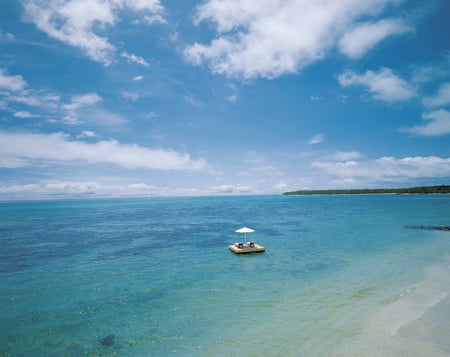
[(341, 276)]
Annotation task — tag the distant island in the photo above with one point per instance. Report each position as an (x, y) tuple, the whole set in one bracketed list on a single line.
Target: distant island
[(367, 191)]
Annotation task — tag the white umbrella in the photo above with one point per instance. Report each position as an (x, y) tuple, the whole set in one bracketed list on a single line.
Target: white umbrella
[(245, 230)]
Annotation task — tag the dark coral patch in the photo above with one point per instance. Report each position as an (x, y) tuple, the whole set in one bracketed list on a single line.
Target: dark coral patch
[(107, 341)]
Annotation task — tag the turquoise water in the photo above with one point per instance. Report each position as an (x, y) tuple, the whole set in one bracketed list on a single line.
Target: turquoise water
[(342, 275)]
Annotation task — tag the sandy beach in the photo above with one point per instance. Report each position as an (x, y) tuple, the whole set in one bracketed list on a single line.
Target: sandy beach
[(416, 323)]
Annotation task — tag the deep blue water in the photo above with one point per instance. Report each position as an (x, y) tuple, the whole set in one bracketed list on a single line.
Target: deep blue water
[(157, 275)]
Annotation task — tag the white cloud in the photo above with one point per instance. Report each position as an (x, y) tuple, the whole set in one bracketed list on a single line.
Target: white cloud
[(17, 189), (438, 123), (149, 5), (151, 20), (103, 117), (230, 189), (70, 119), (384, 85), (151, 115), (269, 38), (75, 22), (24, 114), (57, 147), (133, 96), (386, 169), (442, 98), (82, 109), (316, 139), (31, 99), (12, 162), (15, 90), (345, 156), (135, 59), (191, 99), (232, 98), (60, 188), (138, 78), (363, 37), (154, 19), (434, 71), (51, 98), (280, 186), (7, 36), (50, 188), (87, 134), (140, 186), (67, 188), (418, 167), (83, 100), (11, 83)]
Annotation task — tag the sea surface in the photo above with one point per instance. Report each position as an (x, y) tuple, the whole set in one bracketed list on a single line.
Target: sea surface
[(341, 276)]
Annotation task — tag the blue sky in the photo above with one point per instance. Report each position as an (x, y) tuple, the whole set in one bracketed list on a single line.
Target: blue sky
[(157, 98)]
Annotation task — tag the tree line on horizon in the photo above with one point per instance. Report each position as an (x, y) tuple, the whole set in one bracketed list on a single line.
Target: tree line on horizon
[(411, 190)]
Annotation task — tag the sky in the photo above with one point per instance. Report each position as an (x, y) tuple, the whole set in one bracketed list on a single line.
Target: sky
[(118, 98)]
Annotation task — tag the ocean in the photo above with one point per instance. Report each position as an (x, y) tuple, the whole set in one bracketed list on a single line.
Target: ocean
[(342, 275)]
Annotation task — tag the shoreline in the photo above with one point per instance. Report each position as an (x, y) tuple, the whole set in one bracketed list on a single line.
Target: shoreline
[(415, 323), (421, 190)]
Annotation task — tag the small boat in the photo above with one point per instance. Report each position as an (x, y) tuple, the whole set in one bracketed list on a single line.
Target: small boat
[(246, 247)]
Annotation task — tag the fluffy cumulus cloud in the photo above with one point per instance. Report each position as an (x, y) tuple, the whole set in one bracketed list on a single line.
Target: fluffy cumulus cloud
[(383, 85), (442, 98), (11, 82), (384, 169), (269, 38), (77, 22), (87, 134), (356, 42), (436, 123), (24, 148)]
